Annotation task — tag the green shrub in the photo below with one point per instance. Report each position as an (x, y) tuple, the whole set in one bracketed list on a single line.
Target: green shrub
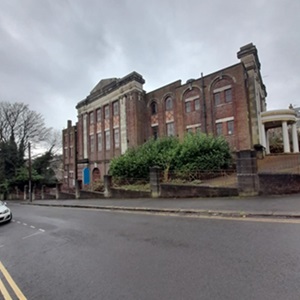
[(197, 152)]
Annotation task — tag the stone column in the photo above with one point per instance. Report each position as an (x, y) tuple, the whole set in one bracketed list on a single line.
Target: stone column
[(77, 189), (43, 192), (33, 192), (107, 185), (263, 136), (295, 139), (25, 192), (267, 142), (57, 191), (286, 142), (248, 181), (154, 181)]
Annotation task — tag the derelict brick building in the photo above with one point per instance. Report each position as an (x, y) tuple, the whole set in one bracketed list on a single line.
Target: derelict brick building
[(119, 114)]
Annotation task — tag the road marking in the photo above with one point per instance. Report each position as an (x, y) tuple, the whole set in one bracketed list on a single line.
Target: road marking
[(25, 237), (4, 291), (12, 284), (25, 224)]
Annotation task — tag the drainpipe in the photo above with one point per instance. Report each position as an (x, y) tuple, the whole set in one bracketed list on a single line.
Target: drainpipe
[(204, 104)]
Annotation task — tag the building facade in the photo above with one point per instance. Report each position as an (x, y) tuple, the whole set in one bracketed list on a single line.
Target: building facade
[(119, 114)]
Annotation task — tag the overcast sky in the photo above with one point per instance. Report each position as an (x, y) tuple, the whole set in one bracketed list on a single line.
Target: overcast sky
[(53, 52)]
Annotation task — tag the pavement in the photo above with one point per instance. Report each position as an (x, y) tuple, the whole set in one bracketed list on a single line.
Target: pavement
[(284, 206)]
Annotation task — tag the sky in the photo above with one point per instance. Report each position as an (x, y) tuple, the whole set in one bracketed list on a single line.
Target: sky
[(53, 52)]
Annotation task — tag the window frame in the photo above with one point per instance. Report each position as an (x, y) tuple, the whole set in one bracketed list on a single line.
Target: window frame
[(188, 106), (99, 115), (92, 143), (99, 142), (106, 112), (219, 129), (107, 140), (169, 104), (117, 138), (170, 129), (91, 118), (217, 98), (228, 95), (116, 108), (197, 104), (230, 127), (154, 108), (155, 132)]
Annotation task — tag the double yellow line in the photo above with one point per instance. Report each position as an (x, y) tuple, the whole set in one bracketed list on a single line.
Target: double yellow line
[(12, 284)]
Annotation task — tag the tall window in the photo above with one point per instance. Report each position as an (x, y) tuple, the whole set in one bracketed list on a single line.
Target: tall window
[(91, 116), (230, 127), (99, 137), (99, 111), (107, 140), (116, 108), (188, 107), (153, 108), (219, 128), (169, 103), (217, 99), (117, 138), (106, 112), (197, 104), (155, 132), (92, 144), (170, 129), (228, 95)]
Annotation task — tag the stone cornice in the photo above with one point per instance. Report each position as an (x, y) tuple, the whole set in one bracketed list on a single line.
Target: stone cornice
[(111, 87)]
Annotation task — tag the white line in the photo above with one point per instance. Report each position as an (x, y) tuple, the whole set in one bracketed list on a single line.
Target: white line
[(18, 222), (32, 227), (30, 235), (42, 230), (24, 224)]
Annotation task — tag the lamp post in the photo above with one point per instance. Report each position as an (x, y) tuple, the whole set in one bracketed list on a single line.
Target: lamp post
[(29, 171)]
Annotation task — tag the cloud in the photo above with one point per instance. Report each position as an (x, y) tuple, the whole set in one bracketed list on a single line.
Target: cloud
[(52, 53)]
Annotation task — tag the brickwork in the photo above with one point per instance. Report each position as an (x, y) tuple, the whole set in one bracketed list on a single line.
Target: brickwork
[(226, 102)]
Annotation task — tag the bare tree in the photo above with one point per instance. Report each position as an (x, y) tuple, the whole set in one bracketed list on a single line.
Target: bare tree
[(53, 141), (17, 120)]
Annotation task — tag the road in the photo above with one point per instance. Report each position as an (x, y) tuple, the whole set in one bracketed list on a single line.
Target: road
[(67, 253)]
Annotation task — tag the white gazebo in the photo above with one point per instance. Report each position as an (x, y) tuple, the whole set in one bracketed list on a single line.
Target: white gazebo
[(280, 118)]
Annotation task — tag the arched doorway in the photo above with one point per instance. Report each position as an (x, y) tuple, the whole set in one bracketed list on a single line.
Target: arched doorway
[(96, 175)]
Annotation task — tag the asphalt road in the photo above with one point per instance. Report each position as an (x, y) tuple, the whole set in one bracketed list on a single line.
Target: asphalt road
[(67, 253)]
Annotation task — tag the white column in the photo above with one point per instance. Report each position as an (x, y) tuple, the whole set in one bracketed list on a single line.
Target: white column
[(263, 135), (286, 142), (267, 142), (295, 139)]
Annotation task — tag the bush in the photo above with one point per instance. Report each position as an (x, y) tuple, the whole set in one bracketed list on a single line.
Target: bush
[(197, 152)]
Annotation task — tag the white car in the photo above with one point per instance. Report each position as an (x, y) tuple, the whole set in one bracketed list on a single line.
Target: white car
[(5, 213)]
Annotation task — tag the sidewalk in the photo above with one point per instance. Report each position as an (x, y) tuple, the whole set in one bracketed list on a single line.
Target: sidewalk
[(287, 206)]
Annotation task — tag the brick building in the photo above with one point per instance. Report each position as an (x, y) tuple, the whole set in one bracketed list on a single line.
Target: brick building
[(119, 114)]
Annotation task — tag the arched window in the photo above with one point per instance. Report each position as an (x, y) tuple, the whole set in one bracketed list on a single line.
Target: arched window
[(153, 108), (169, 103)]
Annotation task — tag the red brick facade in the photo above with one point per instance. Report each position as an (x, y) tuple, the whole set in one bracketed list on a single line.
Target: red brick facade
[(118, 114)]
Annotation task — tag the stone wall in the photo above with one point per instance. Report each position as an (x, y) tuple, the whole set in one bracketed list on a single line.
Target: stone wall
[(189, 191), (279, 184)]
